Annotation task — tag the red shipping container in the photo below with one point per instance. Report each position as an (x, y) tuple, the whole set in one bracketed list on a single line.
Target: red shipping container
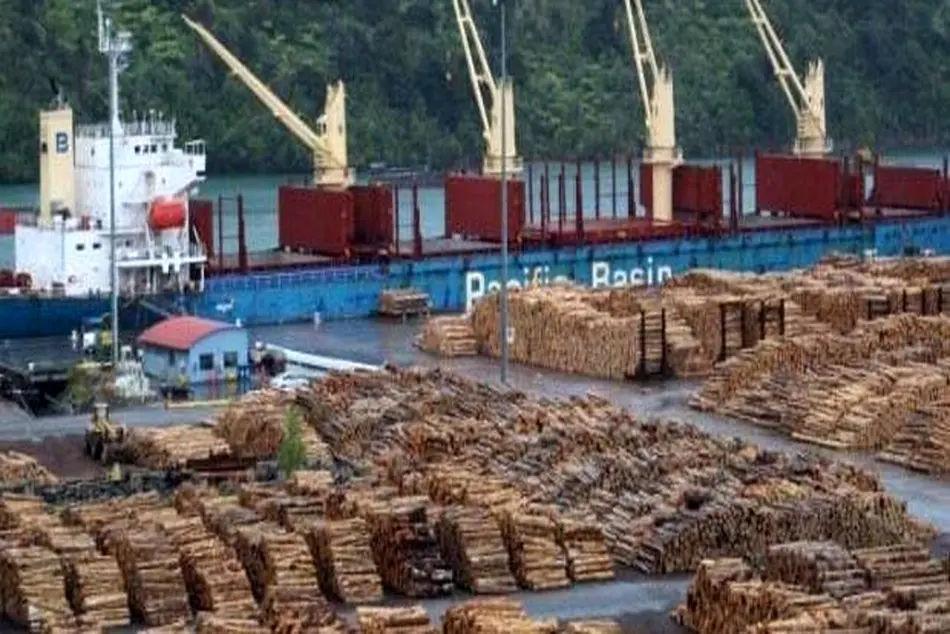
[(315, 220), (472, 204), (373, 216), (646, 191), (7, 222), (907, 188), (697, 190), (201, 215), (798, 187)]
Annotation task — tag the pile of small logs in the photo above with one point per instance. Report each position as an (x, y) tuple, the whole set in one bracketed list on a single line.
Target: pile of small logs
[(473, 545), (152, 573), (406, 549), (493, 616), (19, 467), (344, 558), (403, 302), (586, 549), (213, 575), (818, 587), (254, 426), (878, 388), (32, 586), (95, 589), (209, 623), (176, 446), (411, 620), (448, 336), (537, 560)]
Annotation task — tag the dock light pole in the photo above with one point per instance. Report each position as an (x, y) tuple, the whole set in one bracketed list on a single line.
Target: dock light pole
[(504, 199)]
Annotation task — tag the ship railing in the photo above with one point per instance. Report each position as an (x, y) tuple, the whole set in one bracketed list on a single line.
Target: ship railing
[(147, 127), (145, 254)]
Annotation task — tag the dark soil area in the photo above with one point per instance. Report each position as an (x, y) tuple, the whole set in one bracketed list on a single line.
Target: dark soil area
[(63, 455)]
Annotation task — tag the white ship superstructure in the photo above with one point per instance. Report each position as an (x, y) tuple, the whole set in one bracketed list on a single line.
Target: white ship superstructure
[(67, 249)]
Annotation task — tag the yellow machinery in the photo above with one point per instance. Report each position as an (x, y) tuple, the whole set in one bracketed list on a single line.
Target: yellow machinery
[(656, 93), (499, 92), (102, 433), (327, 143), (807, 98)]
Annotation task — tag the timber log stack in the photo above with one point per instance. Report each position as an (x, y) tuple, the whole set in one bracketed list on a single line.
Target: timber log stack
[(809, 587), (884, 388), (696, 320)]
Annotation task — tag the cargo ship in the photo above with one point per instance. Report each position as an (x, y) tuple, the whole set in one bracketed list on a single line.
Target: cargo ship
[(340, 243)]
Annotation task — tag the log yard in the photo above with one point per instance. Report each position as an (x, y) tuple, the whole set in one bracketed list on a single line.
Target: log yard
[(726, 453)]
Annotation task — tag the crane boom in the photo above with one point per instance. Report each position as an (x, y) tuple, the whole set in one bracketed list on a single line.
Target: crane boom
[(656, 94), (807, 99), (501, 93), (327, 144)]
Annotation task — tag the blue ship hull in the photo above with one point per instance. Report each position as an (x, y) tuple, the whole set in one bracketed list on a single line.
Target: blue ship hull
[(452, 282)]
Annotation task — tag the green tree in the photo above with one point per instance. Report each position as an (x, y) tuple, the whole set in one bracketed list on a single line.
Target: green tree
[(408, 90), (292, 454)]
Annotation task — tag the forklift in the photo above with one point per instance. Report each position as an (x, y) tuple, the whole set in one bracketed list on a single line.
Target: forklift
[(102, 433)]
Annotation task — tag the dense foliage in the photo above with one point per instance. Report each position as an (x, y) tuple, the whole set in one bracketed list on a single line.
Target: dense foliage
[(409, 97)]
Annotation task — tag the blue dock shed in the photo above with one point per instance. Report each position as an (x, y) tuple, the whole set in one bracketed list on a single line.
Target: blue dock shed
[(194, 350)]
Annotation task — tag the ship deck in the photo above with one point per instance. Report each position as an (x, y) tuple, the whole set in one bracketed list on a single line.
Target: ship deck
[(266, 260)]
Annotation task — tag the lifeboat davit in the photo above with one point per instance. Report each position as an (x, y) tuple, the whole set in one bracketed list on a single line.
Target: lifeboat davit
[(166, 213)]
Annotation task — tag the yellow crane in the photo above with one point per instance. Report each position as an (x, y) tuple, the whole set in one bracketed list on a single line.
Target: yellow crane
[(806, 97), (500, 93), (327, 143), (656, 94)]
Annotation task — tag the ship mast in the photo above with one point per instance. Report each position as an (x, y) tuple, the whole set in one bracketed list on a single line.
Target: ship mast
[(116, 46)]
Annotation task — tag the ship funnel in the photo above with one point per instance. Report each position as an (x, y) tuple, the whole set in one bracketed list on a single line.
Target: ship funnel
[(57, 179)]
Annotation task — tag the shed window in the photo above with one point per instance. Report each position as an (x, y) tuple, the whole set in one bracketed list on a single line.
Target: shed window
[(230, 359), (206, 362)]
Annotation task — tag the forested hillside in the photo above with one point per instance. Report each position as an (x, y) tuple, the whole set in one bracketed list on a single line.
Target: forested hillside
[(409, 98)]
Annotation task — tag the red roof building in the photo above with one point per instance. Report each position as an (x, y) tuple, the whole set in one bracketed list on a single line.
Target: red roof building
[(181, 333)]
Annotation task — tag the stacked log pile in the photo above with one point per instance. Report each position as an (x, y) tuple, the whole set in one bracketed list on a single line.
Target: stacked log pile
[(537, 560), (152, 573), (818, 587), (344, 558), (411, 620), (664, 496), (213, 575), (585, 548), (558, 328), (209, 623), (287, 579), (403, 302), (406, 549), (448, 336), (33, 589), (254, 426), (176, 446), (473, 545), (493, 616), (878, 388), (19, 467), (95, 589)]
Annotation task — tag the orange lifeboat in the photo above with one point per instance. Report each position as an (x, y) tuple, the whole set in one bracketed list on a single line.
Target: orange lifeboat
[(166, 213)]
